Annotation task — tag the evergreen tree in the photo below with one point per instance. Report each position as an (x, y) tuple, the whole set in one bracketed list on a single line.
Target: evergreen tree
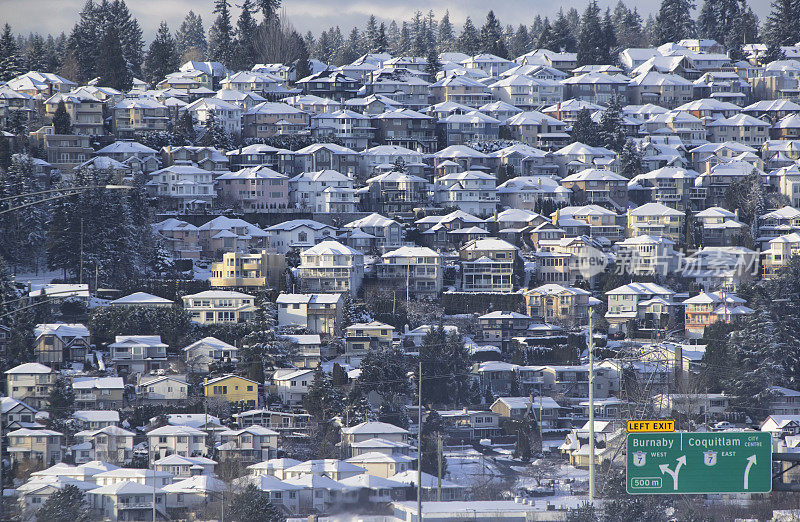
[(62, 123), (12, 64), (404, 42), (574, 20), (592, 47), (35, 55), (446, 34), (445, 368), (584, 130), (432, 66), (357, 409), (536, 29), (492, 37), (610, 35), (269, 10), (67, 504), (111, 64), (563, 34), (432, 428), (382, 43), (630, 160), (191, 39), (371, 34), (83, 45), (611, 131), (783, 23), (221, 36), (162, 57), (469, 41), (302, 66), (674, 21), (628, 27), (130, 35), (520, 44), (546, 39), (254, 505), (322, 401), (244, 56)]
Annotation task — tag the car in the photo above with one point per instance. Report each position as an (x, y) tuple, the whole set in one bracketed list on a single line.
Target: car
[(722, 425)]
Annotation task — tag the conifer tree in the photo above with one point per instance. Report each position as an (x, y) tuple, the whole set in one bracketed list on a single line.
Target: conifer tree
[(492, 37), (446, 36), (630, 160), (221, 36), (584, 130), (244, 56), (520, 44), (12, 63), (162, 57), (269, 10), (564, 34), (111, 64), (592, 48), (611, 131), (469, 41), (191, 38), (783, 23), (371, 34), (674, 21), (382, 43), (432, 66), (62, 123), (130, 35)]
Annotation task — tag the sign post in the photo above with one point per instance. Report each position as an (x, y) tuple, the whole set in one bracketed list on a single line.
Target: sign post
[(697, 463)]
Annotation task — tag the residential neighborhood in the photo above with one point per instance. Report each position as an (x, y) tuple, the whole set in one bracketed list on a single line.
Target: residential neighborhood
[(270, 262)]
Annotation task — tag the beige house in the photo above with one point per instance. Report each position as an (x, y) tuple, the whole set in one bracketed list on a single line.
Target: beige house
[(127, 501), (657, 220), (133, 115), (598, 186), (361, 337), (331, 267), (219, 307), (556, 303), (183, 441), (241, 270), (781, 250), (26, 444), (417, 270), (110, 444), (98, 393), (85, 112), (54, 341), (373, 430), (487, 265), (200, 355), (382, 465), (646, 255), (317, 313), (250, 445), (31, 383)]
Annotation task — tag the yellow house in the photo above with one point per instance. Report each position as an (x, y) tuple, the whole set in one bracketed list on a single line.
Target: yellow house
[(233, 388)]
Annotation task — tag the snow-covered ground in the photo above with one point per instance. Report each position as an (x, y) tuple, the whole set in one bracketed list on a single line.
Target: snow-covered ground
[(469, 467)]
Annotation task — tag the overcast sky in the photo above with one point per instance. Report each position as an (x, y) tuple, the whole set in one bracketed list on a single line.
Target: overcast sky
[(54, 16)]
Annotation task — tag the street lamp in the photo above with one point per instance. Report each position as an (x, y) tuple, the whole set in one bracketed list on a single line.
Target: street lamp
[(64, 192)]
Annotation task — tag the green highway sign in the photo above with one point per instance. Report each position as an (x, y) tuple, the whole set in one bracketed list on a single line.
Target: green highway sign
[(677, 463)]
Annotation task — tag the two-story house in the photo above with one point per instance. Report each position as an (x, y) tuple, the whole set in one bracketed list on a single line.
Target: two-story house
[(219, 306)]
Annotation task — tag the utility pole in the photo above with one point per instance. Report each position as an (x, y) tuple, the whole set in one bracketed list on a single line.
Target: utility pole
[(419, 443), (439, 475), (80, 276), (154, 493), (591, 408), (408, 276)]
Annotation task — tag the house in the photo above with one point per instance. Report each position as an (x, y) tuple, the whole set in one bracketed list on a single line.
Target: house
[(527, 92), (182, 187), (298, 234), (430, 487), (329, 84), (138, 353), (352, 128), (273, 118), (133, 115), (499, 327), (292, 385), (638, 302), (254, 271), (382, 465), (470, 425), (127, 501), (646, 255), (184, 467), (219, 306), (85, 111), (232, 388), (98, 393), (560, 304), (58, 343), (16, 414), (200, 355), (781, 250), (537, 129), (657, 220), (388, 233), (140, 158), (714, 405), (280, 421), (666, 90), (487, 265), (207, 158), (62, 151), (468, 127), (163, 389), (183, 441), (393, 191), (362, 337), (31, 383), (706, 309), (597, 87), (718, 226), (418, 270), (331, 267), (473, 192), (180, 238), (460, 89), (544, 409), (108, 444), (253, 189), (307, 190), (226, 114), (594, 186), (404, 127), (317, 313), (44, 446), (325, 156), (669, 186), (142, 299), (250, 445), (193, 491)]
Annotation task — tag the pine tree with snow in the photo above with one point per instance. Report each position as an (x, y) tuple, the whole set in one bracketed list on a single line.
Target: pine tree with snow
[(254, 505), (222, 36), (611, 131), (269, 10), (592, 47), (447, 36), (62, 123), (432, 65), (674, 21), (111, 65), (244, 56), (564, 34), (322, 400), (12, 63), (67, 504), (492, 37), (162, 57), (584, 130), (191, 38), (371, 34), (630, 160), (783, 23), (469, 41), (130, 36)]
